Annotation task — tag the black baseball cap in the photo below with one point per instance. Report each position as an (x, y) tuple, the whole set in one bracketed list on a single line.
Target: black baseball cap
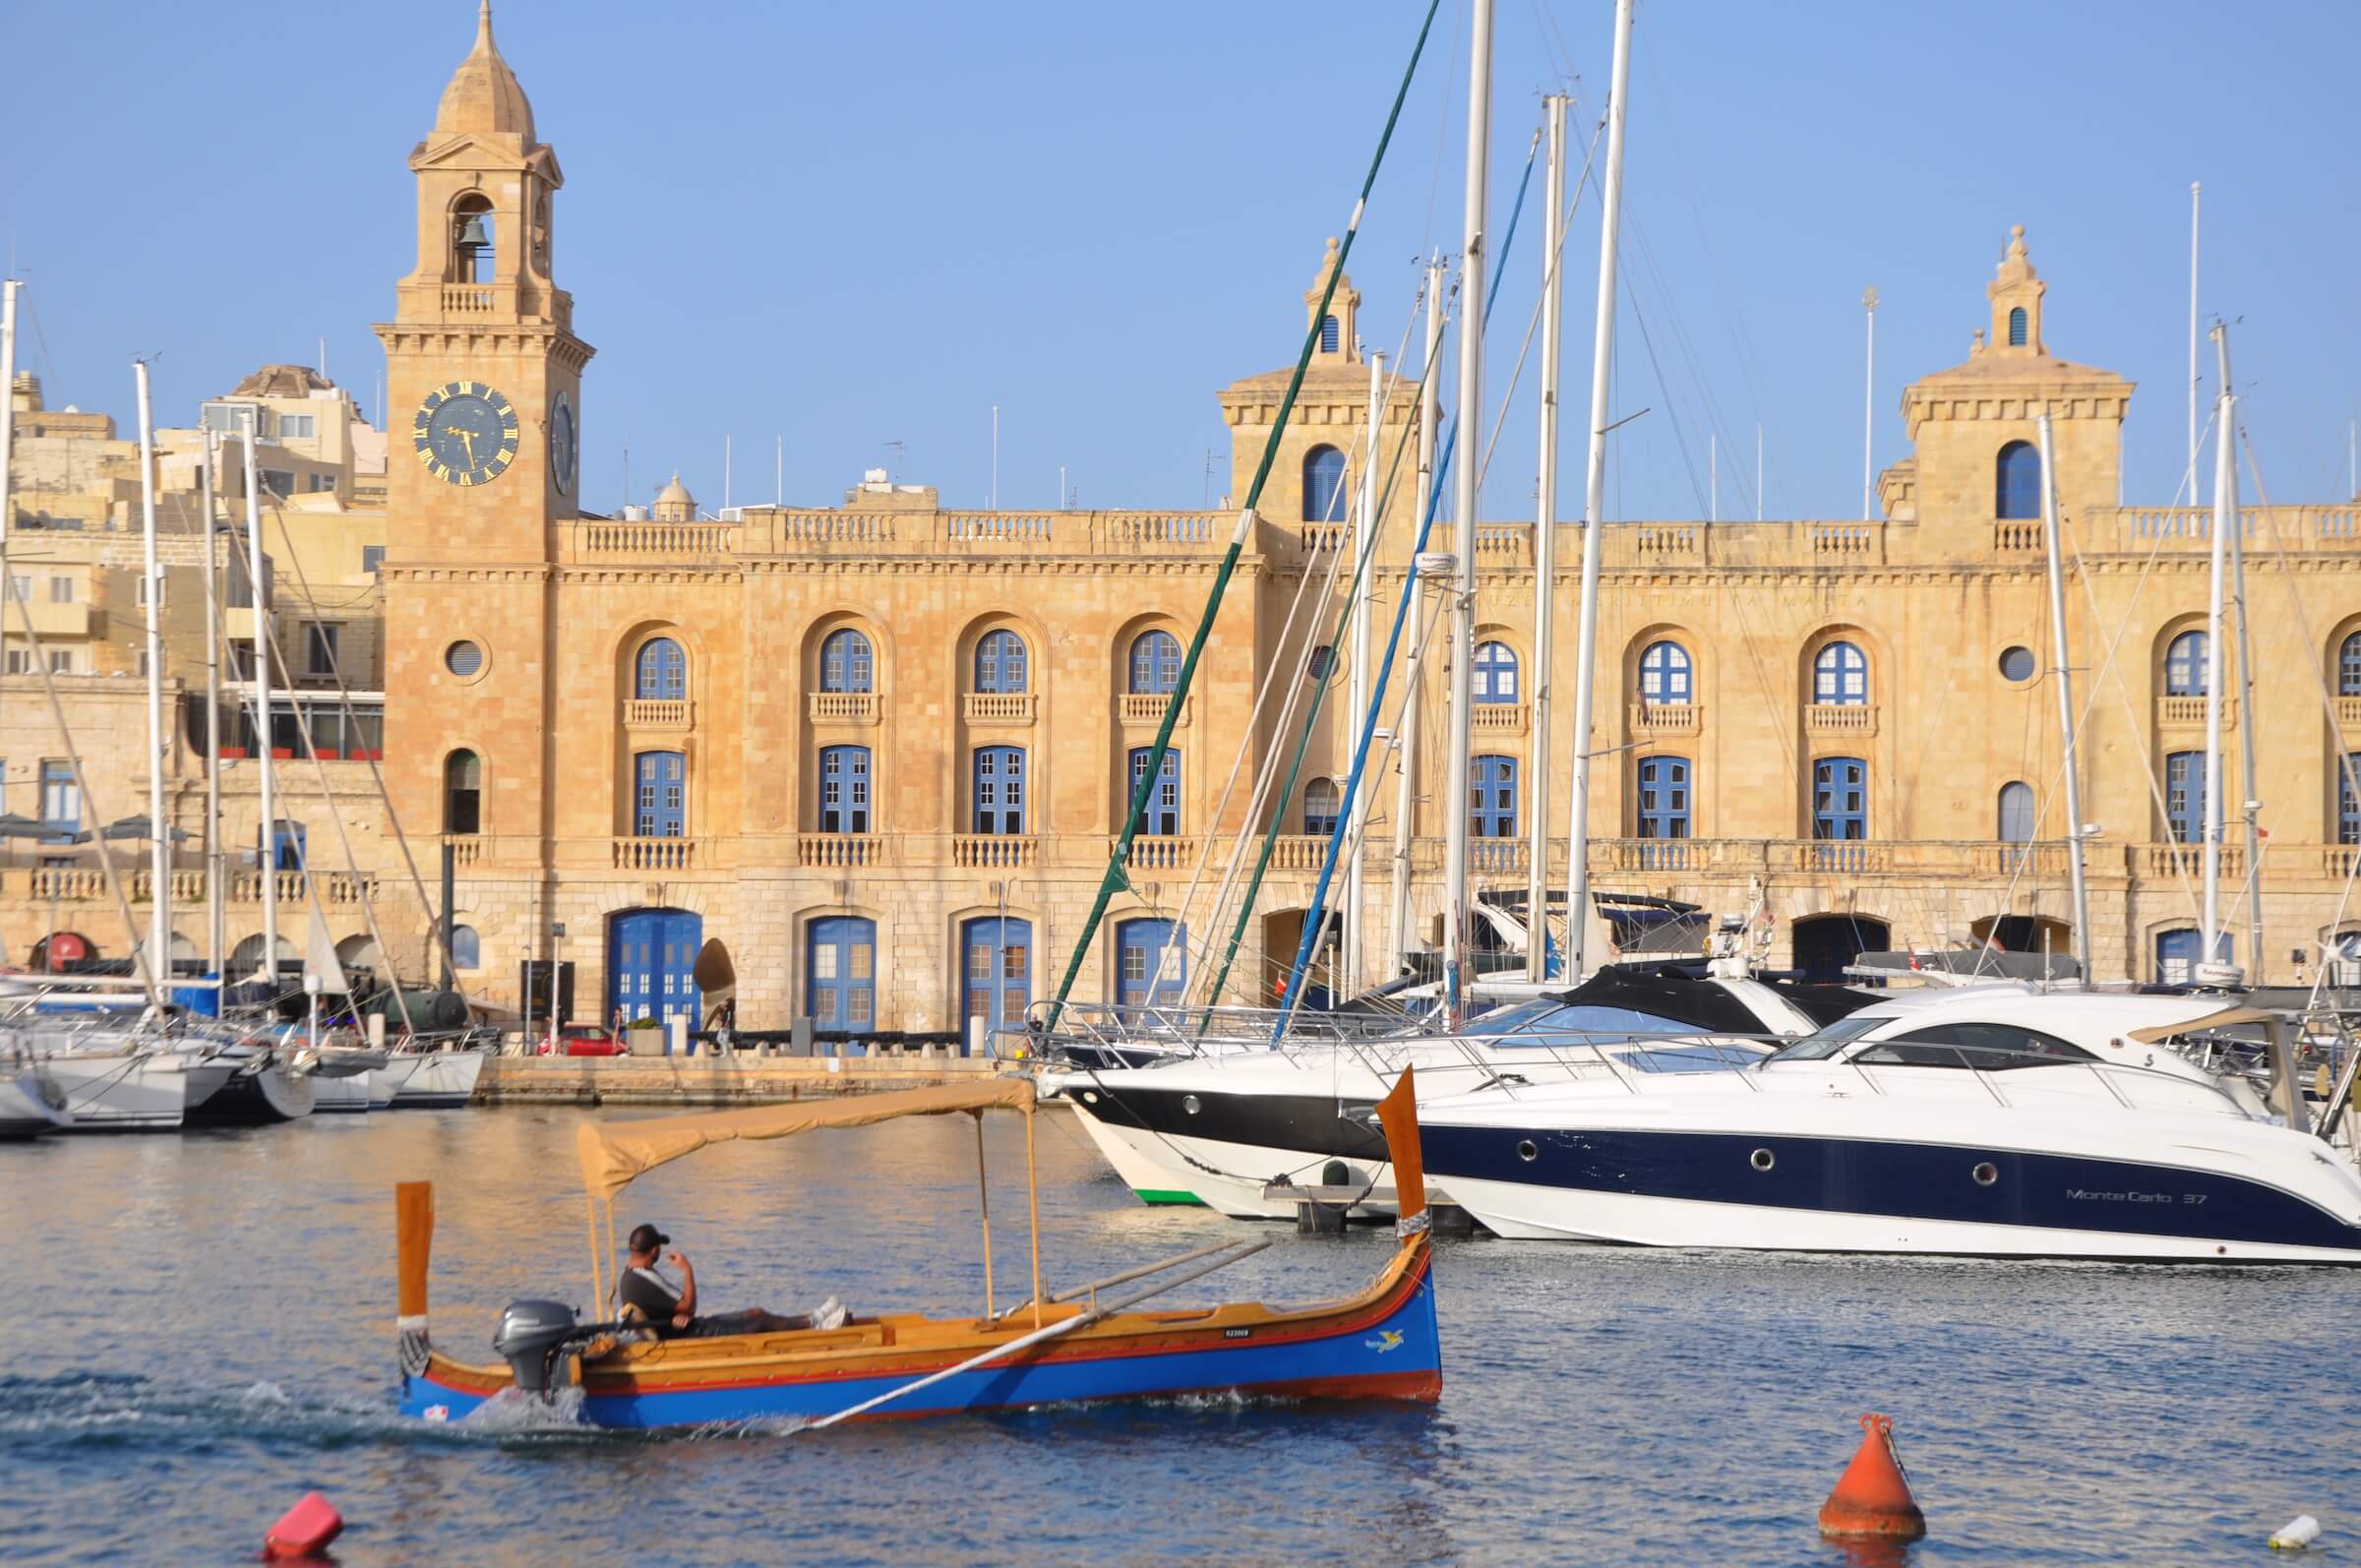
[(646, 1238)]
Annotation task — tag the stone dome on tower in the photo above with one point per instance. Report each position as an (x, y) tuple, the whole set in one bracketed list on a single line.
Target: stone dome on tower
[(674, 502), (484, 94)]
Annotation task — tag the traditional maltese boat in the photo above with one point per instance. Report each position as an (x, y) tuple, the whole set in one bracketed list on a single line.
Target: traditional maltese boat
[(1087, 1343)]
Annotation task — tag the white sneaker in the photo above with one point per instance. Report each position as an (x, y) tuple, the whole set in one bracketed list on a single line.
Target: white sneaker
[(831, 1314)]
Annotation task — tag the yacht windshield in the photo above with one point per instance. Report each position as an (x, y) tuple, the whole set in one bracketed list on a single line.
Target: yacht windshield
[(1548, 1016), (1828, 1042)]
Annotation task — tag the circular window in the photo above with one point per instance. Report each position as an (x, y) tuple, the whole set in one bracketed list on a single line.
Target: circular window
[(463, 659), (1761, 1159), (1526, 1151), (1985, 1174), (2017, 664), (1188, 1103)]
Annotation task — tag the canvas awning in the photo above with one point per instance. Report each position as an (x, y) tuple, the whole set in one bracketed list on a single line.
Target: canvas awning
[(2211, 1020), (615, 1154)]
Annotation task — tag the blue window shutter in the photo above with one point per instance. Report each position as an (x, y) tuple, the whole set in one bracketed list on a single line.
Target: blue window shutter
[(2017, 482), (2017, 328), (1328, 334)]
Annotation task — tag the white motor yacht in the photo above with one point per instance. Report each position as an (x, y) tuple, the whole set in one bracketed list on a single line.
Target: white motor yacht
[(1217, 1130), (1991, 1122)]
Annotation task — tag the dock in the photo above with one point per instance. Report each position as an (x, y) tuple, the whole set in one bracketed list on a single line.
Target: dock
[(741, 1079)]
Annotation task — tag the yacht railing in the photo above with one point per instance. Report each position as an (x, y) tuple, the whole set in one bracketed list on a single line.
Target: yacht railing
[(1186, 1030)]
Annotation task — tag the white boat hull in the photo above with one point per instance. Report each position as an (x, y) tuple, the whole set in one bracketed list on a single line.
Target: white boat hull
[(124, 1092), (31, 1102), (442, 1079)]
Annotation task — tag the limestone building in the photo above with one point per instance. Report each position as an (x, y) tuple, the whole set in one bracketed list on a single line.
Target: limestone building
[(868, 763)]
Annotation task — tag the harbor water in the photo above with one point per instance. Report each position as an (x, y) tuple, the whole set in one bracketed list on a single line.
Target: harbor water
[(200, 1328)]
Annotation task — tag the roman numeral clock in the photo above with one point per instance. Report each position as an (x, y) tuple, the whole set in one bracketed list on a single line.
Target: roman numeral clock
[(465, 432)]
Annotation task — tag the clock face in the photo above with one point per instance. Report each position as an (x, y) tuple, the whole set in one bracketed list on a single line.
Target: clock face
[(565, 442), (465, 432)]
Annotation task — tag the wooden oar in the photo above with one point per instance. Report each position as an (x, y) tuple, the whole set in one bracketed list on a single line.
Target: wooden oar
[(1020, 1343)]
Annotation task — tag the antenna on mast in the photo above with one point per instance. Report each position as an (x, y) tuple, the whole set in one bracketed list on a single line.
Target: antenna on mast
[(899, 449)]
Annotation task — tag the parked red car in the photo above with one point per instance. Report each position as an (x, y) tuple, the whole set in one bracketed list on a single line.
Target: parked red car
[(587, 1039)]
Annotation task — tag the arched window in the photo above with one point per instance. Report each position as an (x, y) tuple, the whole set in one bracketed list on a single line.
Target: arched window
[(2016, 814), (463, 793), (1323, 485), (1163, 814), (660, 795), (2348, 666), (2185, 796), (662, 672), (2185, 665), (844, 789), (2017, 487), (1322, 801), (1840, 677), (1664, 675), (1000, 662), (846, 663), (1495, 673), (1155, 663), (1328, 334), (1152, 962), (2348, 804), (466, 949), (2017, 328)]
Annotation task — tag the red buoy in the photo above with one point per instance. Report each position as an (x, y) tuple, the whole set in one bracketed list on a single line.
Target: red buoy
[(305, 1530), (1872, 1496)]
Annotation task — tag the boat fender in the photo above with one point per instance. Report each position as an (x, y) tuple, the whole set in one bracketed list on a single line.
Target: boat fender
[(1873, 1496), (305, 1530), (2295, 1535)]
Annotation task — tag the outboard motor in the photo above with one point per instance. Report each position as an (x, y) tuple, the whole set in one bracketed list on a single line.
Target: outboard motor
[(530, 1338)]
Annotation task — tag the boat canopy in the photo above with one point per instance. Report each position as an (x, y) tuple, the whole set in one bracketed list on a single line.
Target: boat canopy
[(1666, 992), (615, 1154), (2156, 1033)]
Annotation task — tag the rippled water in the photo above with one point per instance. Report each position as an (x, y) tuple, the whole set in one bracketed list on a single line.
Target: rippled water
[(200, 1329)]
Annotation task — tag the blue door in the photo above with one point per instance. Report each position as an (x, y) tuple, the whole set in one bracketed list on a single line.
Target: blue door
[(661, 802), (287, 846), (2185, 797), (1493, 798), (999, 786), (996, 971), (1841, 798), (844, 789), (1146, 972), (1163, 813), (843, 991), (652, 957), (2178, 951)]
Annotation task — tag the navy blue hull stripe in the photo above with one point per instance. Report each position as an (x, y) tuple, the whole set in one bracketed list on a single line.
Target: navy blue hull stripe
[(1896, 1180)]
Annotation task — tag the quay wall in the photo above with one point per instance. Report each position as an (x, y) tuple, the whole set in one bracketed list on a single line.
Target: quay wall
[(683, 1082)]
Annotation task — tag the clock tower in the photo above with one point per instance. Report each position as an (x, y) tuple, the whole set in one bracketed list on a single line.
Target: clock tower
[(483, 370), (483, 406)]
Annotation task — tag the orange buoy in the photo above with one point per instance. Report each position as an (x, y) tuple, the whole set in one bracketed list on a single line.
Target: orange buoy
[(305, 1530), (1872, 1496)]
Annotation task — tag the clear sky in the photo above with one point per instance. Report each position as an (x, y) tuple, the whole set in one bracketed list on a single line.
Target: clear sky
[(850, 225)]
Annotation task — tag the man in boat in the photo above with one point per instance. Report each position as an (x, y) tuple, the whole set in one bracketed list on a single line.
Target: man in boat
[(670, 1309)]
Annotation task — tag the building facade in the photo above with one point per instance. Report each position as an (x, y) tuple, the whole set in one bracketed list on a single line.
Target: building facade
[(868, 763)]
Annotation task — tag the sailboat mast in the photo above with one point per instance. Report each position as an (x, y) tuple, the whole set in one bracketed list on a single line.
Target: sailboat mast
[(259, 642), (2225, 517), (2065, 674), (1469, 434), (159, 923), (1586, 659), (1345, 982), (213, 722), (2250, 782), (1545, 552), (1406, 747)]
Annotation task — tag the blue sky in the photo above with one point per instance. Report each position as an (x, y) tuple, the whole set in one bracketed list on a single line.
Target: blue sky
[(850, 225)]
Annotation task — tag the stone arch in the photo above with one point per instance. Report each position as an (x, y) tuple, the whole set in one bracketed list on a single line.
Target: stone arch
[(982, 624), (1872, 647), (826, 625), (1635, 651), (1820, 946), (2344, 676)]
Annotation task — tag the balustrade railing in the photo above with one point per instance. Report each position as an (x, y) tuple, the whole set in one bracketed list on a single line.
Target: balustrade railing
[(1840, 718), (1147, 707), (843, 707), (999, 708), (2189, 712), (1500, 718), (1668, 718), (995, 851), (1159, 852), (657, 713), (634, 853), (840, 851)]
